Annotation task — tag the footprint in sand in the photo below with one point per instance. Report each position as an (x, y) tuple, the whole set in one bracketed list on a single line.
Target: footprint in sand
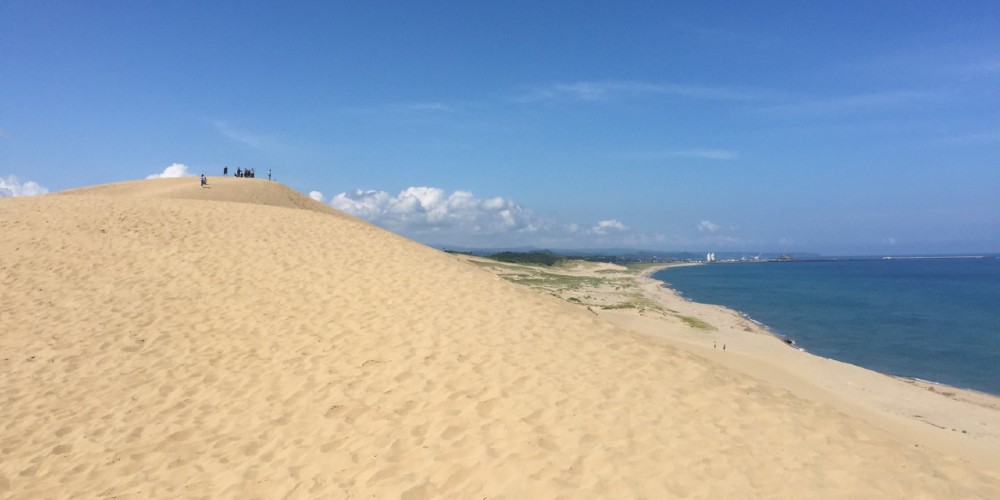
[(485, 408), (62, 449), (251, 449), (180, 435), (335, 411), (451, 432)]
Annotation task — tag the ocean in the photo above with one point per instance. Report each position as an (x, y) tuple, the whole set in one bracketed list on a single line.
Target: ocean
[(933, 319)]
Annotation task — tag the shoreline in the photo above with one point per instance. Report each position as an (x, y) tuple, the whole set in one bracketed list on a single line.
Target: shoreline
[(648, 274), (788, 341), (954, 420)]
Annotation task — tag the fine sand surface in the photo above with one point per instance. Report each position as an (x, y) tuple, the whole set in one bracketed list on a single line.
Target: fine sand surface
[(242, 341), (954, 421), (962, 422)]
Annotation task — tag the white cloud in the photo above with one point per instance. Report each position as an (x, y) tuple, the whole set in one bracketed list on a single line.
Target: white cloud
[(858, 103), (602, 90), (707, 226), (605, 227), (175, 170), (435, 216), (985, 137), (11, 186), (419, 111), (643, 240), (318, 196), (708, 154), (369, 204), (255, 141), (659, 156), (985, 67), (429, 209), (704, 154), (430, 106)]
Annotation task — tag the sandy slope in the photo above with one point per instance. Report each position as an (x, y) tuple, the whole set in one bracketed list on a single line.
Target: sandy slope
[(159, 340), (957, 422)]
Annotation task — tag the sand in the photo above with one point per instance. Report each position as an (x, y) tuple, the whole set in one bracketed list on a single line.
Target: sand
[(160, 340), (962, 422), (958, 421)]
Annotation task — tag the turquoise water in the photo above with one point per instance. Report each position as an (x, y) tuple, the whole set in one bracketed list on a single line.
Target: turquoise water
[(932, 319)]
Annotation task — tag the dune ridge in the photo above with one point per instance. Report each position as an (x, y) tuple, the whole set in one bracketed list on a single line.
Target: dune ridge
[(163, 340)]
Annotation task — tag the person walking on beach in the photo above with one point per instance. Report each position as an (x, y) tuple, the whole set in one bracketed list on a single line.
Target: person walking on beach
[(268, 174), (204, 182), (225, 171)]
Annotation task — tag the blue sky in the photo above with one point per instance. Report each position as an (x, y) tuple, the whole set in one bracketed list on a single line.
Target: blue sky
[(846, 128)]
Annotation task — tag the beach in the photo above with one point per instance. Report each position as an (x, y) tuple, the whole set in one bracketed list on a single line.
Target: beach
[(962, 421), (949, 419), (163, 340)]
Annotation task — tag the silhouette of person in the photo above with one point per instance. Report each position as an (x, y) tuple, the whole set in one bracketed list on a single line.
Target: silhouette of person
[(203, 180), (225, 171)]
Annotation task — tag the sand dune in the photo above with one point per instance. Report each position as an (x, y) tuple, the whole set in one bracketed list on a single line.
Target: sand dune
[(163, 340)]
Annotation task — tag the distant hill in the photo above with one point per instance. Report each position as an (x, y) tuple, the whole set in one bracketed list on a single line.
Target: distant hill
[(622, 254)]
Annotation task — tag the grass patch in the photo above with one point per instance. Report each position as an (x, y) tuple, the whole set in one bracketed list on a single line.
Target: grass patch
[(638, 267), (620, 305), (635, 301), (501, 265), (695, 322), (543, 258), (580, 290), (558, 281)]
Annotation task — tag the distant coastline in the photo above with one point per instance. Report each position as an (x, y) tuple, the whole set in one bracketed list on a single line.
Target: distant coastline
[(833, 348), (956, 421), (971, 416), (790, 342), (648, 274)]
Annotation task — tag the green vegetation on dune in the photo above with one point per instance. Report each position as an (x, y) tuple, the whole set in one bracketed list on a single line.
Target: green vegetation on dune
[(500, 265), (543, 258), (638, 267), (694, 322), (610, 271), (635, 301), (556, 281), (587, 291)]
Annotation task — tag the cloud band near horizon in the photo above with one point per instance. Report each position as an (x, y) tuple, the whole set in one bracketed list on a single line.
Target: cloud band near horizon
[(11, 186)]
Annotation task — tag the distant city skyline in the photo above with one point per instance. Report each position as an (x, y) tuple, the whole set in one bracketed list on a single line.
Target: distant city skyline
[(842, 129)]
